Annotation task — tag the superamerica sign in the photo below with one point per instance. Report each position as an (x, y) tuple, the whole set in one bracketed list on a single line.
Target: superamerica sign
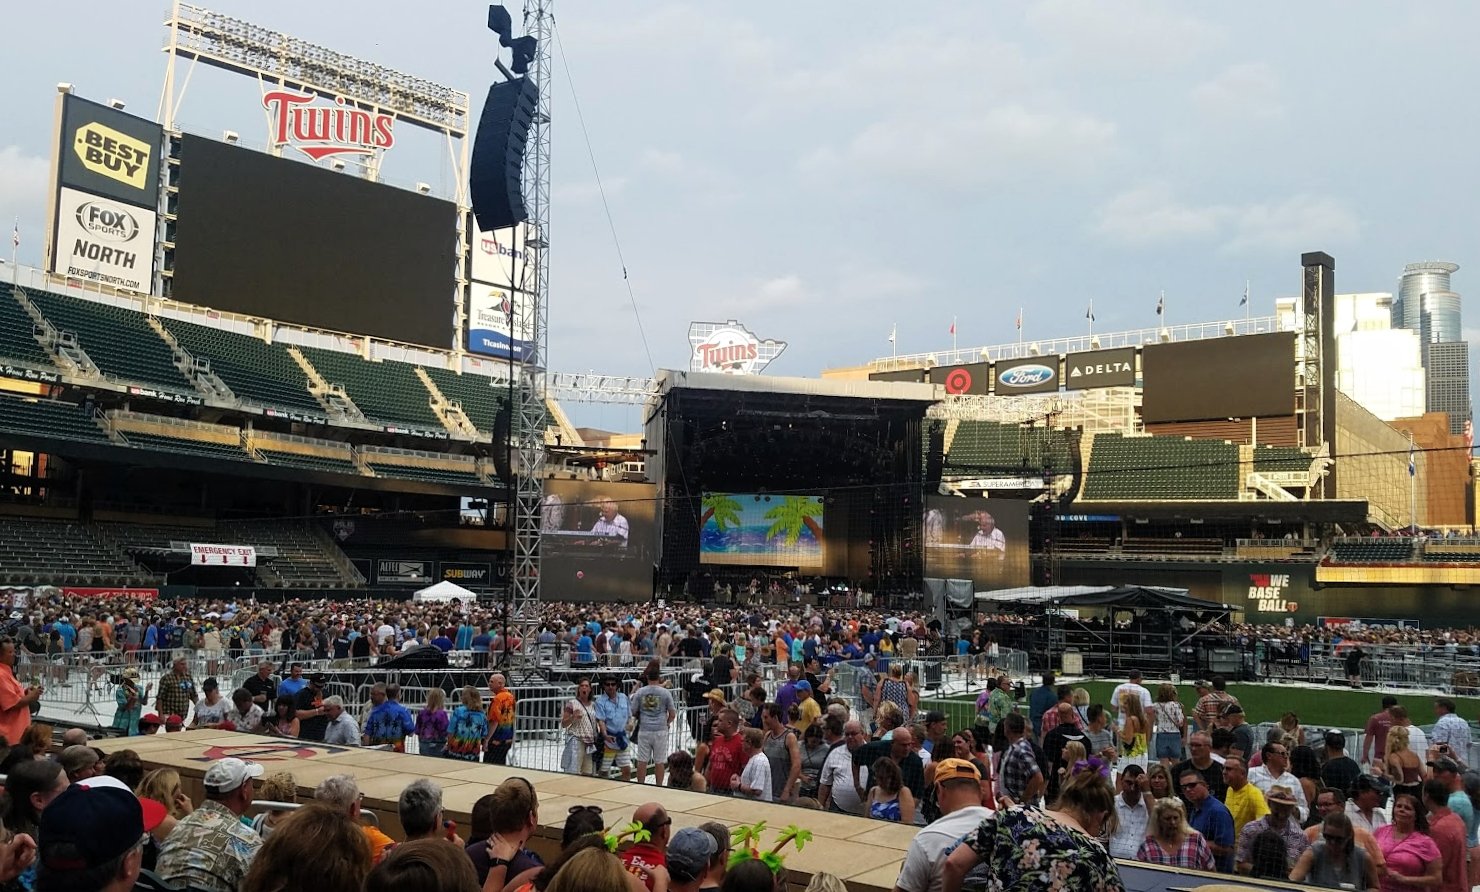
[(730, 348), (322, 130)]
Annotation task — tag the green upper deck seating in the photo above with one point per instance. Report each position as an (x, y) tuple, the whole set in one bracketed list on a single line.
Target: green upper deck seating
[(480, 398), (255, 371), (986, 447), (119, 341), (16, 340), (1277, 459), (387, 391), (44, 418), (1161, 468)]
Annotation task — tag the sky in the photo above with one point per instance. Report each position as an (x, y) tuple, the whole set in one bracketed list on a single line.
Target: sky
[(824, 172)]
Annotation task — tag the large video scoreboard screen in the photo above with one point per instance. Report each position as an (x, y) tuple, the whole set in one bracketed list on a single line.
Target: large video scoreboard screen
[(278, 238), (984, 540)]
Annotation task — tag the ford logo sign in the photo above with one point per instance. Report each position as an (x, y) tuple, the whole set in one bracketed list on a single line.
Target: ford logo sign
[(1026, 376)]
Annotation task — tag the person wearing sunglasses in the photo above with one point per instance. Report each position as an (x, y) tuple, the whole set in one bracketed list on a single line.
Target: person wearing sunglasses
[(1335, 861), (648, 859), (1209, 817)]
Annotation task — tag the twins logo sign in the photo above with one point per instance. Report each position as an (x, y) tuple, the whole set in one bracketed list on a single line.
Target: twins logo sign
[(319, 131)]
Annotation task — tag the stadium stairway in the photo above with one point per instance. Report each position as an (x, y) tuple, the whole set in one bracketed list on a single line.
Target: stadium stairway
[(58, 552), (332, 398), (258, 372), (450, 411), (307, 556), (18, 341), (120, 342), (385, 391)]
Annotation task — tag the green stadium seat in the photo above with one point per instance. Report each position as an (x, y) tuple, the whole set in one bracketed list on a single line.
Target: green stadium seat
[(16, 341), (51, 552), (480, 399), (44, 418), (187, 446), (120, 342), (387, 392), (1160, 468), (984, 448), (309, 462), (1276, 459), (255, 371), (429, 475)]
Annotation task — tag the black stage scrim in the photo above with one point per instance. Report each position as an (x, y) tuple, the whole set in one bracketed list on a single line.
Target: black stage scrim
[(816, 478)]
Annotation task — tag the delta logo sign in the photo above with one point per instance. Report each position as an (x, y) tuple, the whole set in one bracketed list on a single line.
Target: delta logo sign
[(730, 348), (320, 131)]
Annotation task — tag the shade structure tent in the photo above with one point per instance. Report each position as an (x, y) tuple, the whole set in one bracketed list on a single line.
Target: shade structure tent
[(443, 592), (1109, 630)]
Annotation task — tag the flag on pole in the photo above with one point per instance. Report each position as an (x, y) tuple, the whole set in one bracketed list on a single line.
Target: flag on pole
[(1161, 304), (1020, 319), (15, 234), (893, 330), (1245, 301), (953, 326), (1090, 313), (1412, 466)]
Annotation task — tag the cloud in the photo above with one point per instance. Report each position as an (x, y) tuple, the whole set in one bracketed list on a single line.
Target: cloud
[(971, 149), (1294, 224), (586, 191), (1146, 35), (1248, 91), (696, 179), (1152, 214), (23, 185)]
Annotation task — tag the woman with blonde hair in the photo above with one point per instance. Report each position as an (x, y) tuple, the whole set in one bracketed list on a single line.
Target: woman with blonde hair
[(591, 870), (1171, 724), (826, 882), (431, 724), (1290, 724), (1080, 699), (467, 728), (1134, 735), (163, 786), (280, 786), (1404, 767), (1171, 841)]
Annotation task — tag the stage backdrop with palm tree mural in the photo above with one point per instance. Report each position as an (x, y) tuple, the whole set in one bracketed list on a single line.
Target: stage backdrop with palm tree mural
[(762, 529)]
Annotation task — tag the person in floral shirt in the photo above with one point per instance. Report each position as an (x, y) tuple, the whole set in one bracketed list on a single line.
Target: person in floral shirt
[(1030, 849)]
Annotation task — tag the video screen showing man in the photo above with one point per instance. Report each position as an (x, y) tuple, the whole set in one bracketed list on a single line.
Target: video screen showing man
[(987, 535), (611, 525)]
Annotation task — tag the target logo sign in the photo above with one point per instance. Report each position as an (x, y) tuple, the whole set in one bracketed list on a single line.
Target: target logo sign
[(967, 378)]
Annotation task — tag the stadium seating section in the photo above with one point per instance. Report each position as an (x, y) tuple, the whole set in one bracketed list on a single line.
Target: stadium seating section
[(308, 462), (255, 371), (1372, 551), (61, 553), (1277, 459), (304, 557), (1161, 468), (480, 400), (186, 445), (119, 341), (388, 392), (1437, 553), (16, 341), (986, 447), (44, 418), (429, 475)]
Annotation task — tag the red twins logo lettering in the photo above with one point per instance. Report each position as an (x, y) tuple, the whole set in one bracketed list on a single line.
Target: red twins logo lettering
[(320, 131)]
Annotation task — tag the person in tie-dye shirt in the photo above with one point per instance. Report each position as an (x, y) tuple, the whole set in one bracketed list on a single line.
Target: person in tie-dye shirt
[(467, 728), (500, 719)]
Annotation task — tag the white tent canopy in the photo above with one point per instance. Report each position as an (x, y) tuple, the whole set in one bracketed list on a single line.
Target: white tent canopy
[(1034, 594), (444, 591)]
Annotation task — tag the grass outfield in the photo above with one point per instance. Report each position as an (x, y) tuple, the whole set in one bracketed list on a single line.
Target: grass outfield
[(1333, 707)]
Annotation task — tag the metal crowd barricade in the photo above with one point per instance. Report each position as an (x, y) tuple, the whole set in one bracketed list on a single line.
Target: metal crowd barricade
[(370, 817), (1417, 667)]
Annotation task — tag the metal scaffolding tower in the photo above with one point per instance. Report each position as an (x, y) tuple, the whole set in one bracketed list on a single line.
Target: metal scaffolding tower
[(531, 415)]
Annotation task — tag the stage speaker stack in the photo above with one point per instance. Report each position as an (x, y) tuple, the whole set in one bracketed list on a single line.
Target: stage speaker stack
[(495, 177)]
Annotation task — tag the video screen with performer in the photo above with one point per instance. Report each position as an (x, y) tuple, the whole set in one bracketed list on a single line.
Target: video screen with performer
[(596, 540), (762, 529), (984, 540)]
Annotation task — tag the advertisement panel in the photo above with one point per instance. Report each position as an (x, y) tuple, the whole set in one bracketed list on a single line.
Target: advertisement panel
[(1191, 380), (489, 308), (597, 540), (730, 348), (971, 377), (911, 376), (1100, 368), (69, 592), (110, 153), (287, 240), (1036, 375), (396, 571), (501, 258), (104, 241), (984, 540), (202, 555), (467, 575), (321, 128), (767, 530)]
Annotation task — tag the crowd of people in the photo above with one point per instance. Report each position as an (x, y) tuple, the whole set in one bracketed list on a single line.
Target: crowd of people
[(1049, 777)]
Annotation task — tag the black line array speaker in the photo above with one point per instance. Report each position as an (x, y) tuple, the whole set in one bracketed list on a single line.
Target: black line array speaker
[(495, 176), (502, 432)]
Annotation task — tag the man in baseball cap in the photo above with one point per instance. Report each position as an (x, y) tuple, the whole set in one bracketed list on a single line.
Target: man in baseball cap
[(959, 793), (689, 852), (92, 839), (210, 849)]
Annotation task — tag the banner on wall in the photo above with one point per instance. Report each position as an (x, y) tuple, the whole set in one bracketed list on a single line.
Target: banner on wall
[(104, 241), (206, 555), (490, 308), (503, 258), (109, 152)]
